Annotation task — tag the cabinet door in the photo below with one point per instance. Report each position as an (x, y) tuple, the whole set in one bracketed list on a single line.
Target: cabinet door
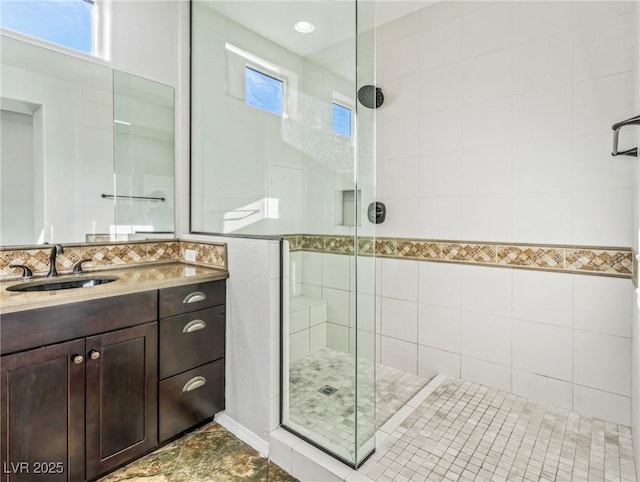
[(122, 397), (43, 414)]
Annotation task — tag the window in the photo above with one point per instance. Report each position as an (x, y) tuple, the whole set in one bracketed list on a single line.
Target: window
[(263, 91), (64, 22), (341, 120)]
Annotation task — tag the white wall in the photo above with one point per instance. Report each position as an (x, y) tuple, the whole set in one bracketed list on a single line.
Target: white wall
[(497, 127), (497, 122), (252, 391), (558, 338)]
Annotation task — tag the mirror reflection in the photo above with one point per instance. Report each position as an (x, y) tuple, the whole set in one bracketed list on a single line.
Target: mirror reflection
[(63, 159)]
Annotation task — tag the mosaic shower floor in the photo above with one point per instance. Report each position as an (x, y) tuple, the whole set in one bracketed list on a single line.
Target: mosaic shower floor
[(329, 418), (209, 454), (464, 431)]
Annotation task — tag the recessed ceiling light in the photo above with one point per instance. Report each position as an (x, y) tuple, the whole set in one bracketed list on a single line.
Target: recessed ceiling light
[(304, 27)]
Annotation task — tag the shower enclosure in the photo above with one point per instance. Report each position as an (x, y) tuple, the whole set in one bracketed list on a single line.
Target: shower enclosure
[(281, 147)]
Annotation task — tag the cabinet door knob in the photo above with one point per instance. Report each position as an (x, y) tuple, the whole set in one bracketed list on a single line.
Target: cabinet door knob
[(94, 355), (194, 297), (77, 359)]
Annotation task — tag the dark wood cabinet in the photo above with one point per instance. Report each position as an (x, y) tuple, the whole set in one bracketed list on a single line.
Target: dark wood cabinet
[(43, 403), (94, 399), (122, 397), (87, 387), (192, 347)]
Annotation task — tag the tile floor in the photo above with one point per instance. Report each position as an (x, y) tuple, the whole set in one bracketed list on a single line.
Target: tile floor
[(330, 419), (210, 454), (465, 431)]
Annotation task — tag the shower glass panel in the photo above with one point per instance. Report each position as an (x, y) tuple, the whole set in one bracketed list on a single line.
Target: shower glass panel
[(281, 147)]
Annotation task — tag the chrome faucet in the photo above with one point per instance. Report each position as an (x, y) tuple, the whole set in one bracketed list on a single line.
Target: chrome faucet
[(55, 251)]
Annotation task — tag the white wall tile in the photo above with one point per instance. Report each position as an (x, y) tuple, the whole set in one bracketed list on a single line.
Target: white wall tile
[(441, 131), (298, 345), (594, 55), (543, 218), (486, 290), (399, 354), (599, 102), (400, 279), (400, 319), (543, 166), (311, 268), (432, 362), (594, 221), (439, 327), (544, 297), (602, 362), (487, 124), (486, 337), (318, 314), (337, 305), (543, 389), (543, 115), (440, 284), (400, 138), (317, 337), (486, 373), (400, 180), (532, 20), (487, 171), (592, 157), (486, 30), (487, 217), (486, 77), (338, 337), (603, 305), (438, 13), (542, 349), (439, 89), (603, 405), (441, 174), (543, 63), (441, 217), (399, 58), (440, 45), (402, 217), (400, 97), (299, 320), (335, 271)]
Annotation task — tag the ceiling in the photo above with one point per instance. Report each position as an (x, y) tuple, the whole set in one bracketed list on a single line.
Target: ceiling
[(335, 20)]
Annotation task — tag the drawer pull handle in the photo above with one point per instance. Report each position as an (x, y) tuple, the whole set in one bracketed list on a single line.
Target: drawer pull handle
[(194, 297), (194, 325), (194, 383)]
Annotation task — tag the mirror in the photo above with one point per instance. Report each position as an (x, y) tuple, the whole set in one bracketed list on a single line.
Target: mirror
[(68, 172)]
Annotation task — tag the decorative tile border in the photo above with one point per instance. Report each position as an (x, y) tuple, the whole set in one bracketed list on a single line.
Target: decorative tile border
[(572, 259), (635, 269), (105, 255)]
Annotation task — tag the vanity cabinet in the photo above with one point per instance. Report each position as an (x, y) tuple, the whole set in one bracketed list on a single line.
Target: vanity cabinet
[(79, 408), (192, 346), (87, 387)]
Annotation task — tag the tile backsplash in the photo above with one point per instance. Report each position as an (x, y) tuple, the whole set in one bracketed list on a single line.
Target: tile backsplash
[(104, 255)]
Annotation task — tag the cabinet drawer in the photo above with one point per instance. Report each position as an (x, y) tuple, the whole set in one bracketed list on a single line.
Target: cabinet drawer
[(191, 340), (183, 299), (190, 398)]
